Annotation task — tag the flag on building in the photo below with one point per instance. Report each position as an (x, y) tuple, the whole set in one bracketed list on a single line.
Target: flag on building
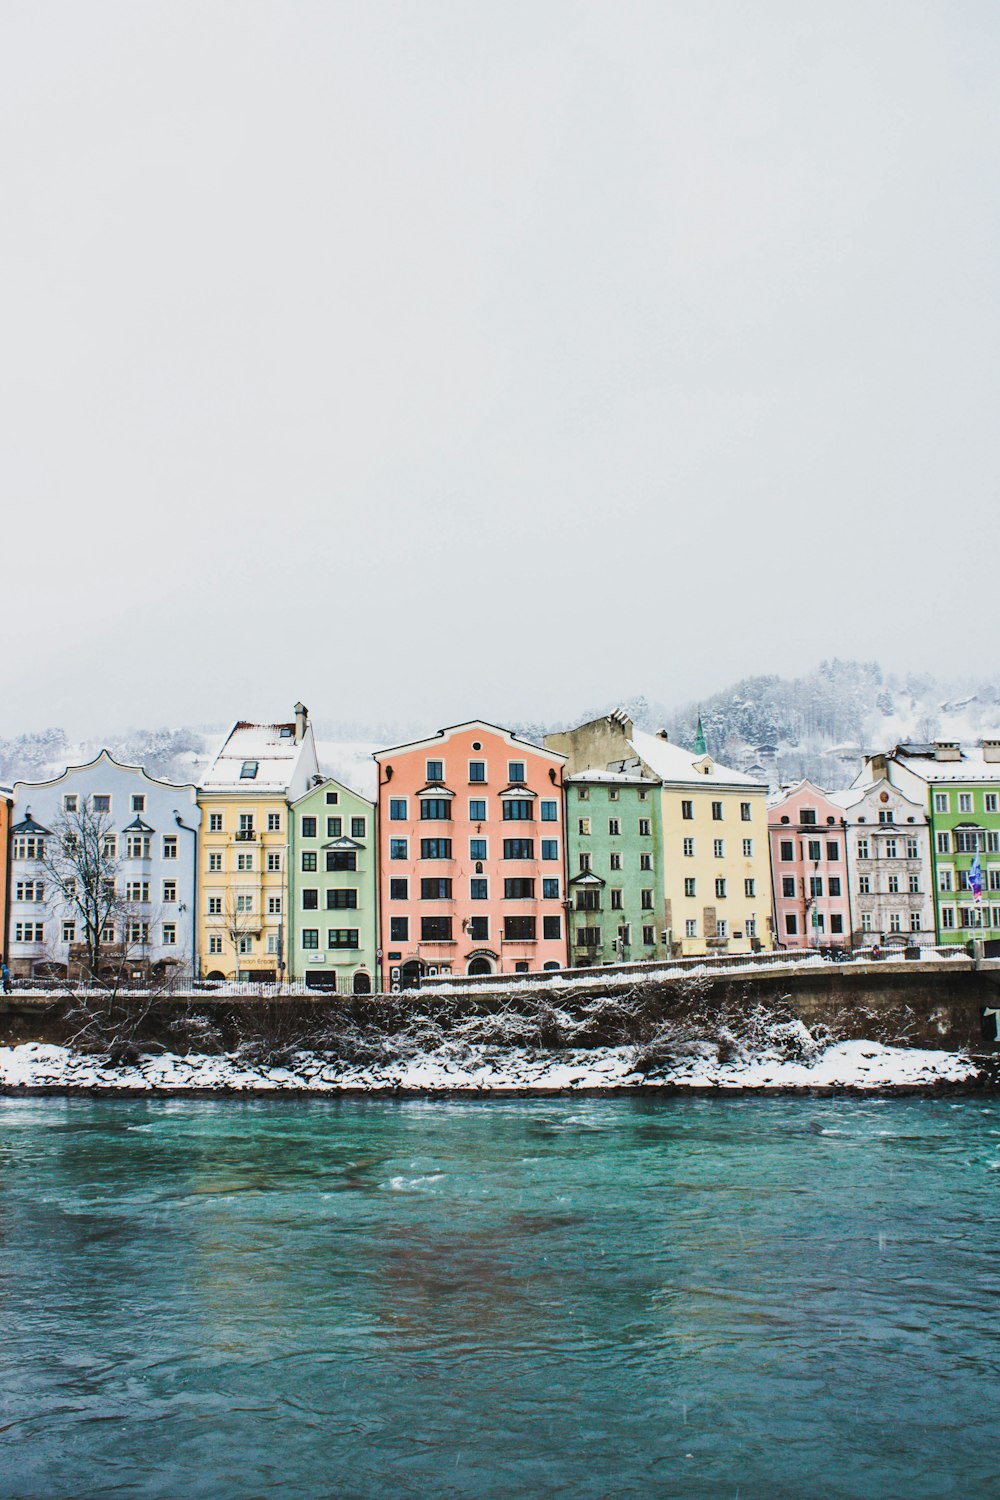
[(976, 878)]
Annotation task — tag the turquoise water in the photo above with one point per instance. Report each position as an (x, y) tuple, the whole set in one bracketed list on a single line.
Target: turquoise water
[(755, 1298)]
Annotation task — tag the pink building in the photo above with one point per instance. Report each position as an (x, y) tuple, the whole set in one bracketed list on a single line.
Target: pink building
[(471, 856), (808, 834)]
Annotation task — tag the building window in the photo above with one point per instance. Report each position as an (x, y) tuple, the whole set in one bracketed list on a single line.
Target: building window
[(71, 803), (308, 827), (310, 898), (435, 770), (248, 770), (69, 932), (215, 822), (334, 827), (169, 934), (274, 862), (431, 809), (477, 848), (722, 928), (31, 890), (815, 851), (359, 828), (274, 906), (893, 885), (215, 906), (914, 921), (866, 921), (691, 927), (748, 848), (479, 929), (836, 923), (341, 859), (479, 889), (552, 928), (244, 862), (788, 886), (689, 848), (519, 929), (644, 827), (862, 848), (399, 890), (616, 900), (435, 848), (29, 932), (244, 903), (550, 812), (519, 889), (690, 885), (309, 860), (588, 900), (614, 861), (477, 770), (583, 793), (477, 809), (832, 850), (720, 889), (342, 937), (399, 929), (746, 811), (886, 815), (435, 888), (834, 885), (787, 849), (274, 822), (214, 863), (990, 803), (550, 888), (687, 810), (719, 848), (215, 944), (645, 861), (646, 899), (912, 849), (310, 937), (914, 884), (894, 922), (614, 827), (515, 771), (941, 802), (584, 826), (518, 809), (965, 802), (397, 809), (137, 846), (435, 929), (864, 885), (398, 848), (717, 811), (101, 802), (588, 937), (815, 885), (137, 890), (520, 849), (649, 936), (332, 799), (947, 916), (749, 888)]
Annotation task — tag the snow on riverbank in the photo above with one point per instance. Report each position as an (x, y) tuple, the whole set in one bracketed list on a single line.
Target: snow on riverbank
[(854, 1065)]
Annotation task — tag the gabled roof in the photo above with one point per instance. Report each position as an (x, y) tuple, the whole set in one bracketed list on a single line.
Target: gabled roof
[(342, 843), (676, 766), (28, 825), (119, 765), (587, 877), (274, 750), (138, 826), (435, 741)]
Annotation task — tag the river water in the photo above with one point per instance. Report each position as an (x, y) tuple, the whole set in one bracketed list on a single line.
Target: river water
[(739, 1297)]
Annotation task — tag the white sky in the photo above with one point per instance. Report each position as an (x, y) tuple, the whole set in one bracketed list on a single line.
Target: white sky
[(491, 359)]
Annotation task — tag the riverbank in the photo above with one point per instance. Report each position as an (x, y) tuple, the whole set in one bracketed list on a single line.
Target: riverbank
[(863, 1067)]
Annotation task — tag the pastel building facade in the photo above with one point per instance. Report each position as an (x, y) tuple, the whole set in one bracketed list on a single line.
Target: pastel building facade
[(150, 854), (471, 856), (714, 854), (889, 865), (332, 889), (6, 808), (959, 788), (809, 869), (258, 770), (614, 882)]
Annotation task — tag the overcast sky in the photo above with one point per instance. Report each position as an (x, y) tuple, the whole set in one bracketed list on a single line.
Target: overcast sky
[(490, 359)]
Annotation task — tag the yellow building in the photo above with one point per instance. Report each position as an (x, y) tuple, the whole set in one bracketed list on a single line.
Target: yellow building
[(243, 856), (715, 851)]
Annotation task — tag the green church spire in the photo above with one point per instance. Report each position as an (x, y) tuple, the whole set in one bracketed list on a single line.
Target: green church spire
[(700, 748)]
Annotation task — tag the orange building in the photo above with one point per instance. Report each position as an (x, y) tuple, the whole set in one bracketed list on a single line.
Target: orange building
[(471, 856)]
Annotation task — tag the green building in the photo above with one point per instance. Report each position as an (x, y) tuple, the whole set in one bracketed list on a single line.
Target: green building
[(331, 889), (960, 788), (615, 882)]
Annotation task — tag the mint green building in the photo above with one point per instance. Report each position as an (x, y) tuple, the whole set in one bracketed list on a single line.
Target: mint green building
[(615, 880), (332, 889)]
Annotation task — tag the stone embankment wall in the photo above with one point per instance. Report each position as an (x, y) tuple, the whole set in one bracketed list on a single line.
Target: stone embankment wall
[(924, 1005)]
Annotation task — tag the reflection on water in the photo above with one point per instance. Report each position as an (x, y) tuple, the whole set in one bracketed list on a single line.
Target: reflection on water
[(770, 1298)]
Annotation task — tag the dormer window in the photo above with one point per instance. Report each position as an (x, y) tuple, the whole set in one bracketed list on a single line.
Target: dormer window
[(248, 770), (286, 732)]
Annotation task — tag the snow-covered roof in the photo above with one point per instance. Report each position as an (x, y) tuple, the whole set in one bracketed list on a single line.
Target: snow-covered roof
[(677, 766), (970, 767), (256, 758)]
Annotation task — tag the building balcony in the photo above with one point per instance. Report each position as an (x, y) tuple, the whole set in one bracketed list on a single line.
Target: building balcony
[(246, 836)]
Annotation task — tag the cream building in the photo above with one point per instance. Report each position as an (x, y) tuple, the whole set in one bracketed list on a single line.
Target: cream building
[(714, 857), (244, 797)]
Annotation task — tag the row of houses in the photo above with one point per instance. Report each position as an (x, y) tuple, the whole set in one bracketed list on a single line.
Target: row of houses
[(483, 853)]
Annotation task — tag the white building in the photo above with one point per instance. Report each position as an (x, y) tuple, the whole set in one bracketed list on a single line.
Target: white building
[(888, 865), (150, 842)]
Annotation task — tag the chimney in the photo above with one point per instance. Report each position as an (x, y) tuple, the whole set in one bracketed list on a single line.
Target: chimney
[(991, 751), (301, 720), (947, 750), (661, 734)]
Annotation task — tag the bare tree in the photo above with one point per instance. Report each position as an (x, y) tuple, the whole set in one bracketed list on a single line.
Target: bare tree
[(82, 866), (236, 920)]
